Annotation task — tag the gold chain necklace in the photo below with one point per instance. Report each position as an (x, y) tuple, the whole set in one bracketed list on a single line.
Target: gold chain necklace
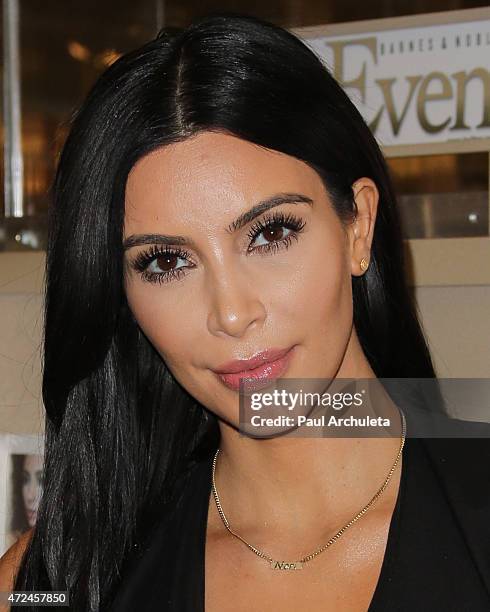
[(296, 565)]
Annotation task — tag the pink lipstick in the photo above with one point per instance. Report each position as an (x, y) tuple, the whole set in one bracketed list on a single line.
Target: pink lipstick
[(258, 371)]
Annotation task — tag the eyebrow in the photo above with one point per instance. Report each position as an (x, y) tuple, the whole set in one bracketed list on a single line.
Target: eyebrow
[(234, 226)]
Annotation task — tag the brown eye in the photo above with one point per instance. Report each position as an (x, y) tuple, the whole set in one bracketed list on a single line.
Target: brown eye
[(166, 263), (160, 265), (273, 233)]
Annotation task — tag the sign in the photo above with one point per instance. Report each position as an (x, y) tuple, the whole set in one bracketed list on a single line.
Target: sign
[(418, 84)]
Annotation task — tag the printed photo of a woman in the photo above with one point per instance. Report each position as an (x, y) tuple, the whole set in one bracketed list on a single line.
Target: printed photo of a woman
[(26, 482)]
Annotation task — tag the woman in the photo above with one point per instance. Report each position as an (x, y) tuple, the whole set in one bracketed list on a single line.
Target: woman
[(219, 204), (27, 482)]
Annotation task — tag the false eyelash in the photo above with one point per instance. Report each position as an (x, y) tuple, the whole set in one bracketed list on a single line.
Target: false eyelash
[(289, 221), (145, 258)]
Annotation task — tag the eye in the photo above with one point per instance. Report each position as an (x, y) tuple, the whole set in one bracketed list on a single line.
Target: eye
[(272, 228), (160, 264)]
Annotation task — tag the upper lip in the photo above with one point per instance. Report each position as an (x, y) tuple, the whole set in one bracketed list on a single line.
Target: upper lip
[(243, 365)]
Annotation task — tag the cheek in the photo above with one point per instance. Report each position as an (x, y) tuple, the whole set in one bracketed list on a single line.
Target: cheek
[(319, 286), (167, 325), (331, 306), (320, 304)]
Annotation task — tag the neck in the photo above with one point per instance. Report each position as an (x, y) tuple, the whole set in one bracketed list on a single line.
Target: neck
[(301, 485), (306, 486)]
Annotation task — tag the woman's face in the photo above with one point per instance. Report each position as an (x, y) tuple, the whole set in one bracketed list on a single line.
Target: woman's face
[(32, 480), (231, 291)]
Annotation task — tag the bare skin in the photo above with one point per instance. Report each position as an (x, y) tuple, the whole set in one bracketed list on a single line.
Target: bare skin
[(229, 304)]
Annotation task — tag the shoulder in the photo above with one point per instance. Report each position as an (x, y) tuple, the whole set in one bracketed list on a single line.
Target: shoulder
[(454, 445), (463, 463), (462, 469), (10, 561)]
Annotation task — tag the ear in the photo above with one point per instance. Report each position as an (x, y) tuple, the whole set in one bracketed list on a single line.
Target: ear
[(361, 230)]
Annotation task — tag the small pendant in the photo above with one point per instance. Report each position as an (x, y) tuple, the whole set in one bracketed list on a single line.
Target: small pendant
[(283, 565)]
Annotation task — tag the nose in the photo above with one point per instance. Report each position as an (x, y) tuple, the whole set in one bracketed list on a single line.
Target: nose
[(235, 306), (31, 492)]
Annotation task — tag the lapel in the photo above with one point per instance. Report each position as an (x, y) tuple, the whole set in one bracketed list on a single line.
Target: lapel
[(462, 466)]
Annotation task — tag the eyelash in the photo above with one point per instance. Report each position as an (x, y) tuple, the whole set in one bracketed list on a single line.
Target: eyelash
[(277, 219)]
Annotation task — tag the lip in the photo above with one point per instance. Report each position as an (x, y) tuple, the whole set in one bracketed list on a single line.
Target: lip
[(236, 366), (258, 371)]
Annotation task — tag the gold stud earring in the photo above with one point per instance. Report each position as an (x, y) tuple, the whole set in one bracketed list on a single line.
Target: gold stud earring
[(364, 264)]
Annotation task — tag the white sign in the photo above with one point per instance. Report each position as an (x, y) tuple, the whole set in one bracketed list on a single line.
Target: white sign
[(416, 85)]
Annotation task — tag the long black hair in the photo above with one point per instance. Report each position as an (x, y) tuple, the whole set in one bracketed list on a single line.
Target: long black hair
[(120, 430)]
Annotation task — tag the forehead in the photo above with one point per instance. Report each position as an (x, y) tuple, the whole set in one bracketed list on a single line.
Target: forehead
[(211, 171)]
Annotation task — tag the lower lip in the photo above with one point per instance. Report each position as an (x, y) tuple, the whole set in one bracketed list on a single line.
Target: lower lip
[(259, 377)]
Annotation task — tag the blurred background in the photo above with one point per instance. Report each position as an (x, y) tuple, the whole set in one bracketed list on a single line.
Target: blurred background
[(53, 51), (62, 46)]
